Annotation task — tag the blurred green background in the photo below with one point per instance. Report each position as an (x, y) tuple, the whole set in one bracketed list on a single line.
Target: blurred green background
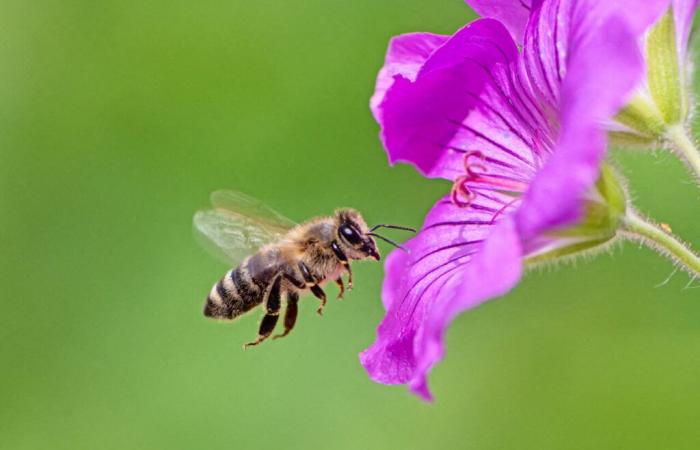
[(117, 118)]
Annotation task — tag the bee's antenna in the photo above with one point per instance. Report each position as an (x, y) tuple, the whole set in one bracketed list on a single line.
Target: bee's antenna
[(389, 241), (395, 227)]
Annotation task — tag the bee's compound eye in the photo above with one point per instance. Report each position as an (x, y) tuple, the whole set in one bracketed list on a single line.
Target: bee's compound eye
[(350, 234)]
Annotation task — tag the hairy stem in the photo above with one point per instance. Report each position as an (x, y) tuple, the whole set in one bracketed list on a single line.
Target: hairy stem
[(685, 147), (639, 229)]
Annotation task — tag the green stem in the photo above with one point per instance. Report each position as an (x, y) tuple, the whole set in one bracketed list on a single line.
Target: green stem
[(681, 142), (637, 228)]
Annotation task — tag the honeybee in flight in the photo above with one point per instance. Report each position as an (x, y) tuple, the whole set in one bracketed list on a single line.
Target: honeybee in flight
[(274, 256)]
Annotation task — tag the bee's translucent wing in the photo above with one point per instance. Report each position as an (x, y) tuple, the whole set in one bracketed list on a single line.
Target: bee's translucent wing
[(238, 225)]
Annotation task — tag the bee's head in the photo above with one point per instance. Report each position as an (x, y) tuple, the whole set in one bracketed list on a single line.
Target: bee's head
[(353, 235)]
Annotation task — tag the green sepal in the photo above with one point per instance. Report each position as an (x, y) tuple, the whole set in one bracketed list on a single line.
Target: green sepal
[(604, 212), (643, 117), (601, 216), (568, 250), (610, 187), (663, 71), (626, 139), (665, 102)]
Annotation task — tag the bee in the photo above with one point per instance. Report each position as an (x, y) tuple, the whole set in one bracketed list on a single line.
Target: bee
[(274, 257)]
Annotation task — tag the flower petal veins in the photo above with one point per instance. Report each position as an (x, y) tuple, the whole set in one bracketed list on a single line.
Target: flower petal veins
[(520, 136), (404, 58), (450, 253)]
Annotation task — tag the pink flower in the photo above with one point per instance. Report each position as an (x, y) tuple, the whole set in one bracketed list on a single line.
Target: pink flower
[(519, 135)]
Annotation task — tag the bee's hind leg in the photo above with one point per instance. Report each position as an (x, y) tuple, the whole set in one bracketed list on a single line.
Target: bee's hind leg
[(290, 314), (272, 312)]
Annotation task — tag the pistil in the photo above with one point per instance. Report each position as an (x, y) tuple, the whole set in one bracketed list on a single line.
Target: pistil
[(462, 194)]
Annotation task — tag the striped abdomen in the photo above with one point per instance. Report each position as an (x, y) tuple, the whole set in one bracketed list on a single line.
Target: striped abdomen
[(240, 290)]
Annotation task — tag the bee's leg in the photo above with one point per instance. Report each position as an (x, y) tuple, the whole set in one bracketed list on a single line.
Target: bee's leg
[(313, 286), (299, 284), (318, 292), (344, 260), (290, 314), (272, 312), (341, 286)]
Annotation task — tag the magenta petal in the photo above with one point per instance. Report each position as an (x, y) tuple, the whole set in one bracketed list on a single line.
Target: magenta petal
[(639, 14), (513, 14), (556, 26), (493, 271), (590, 94), (425, 289), (405, 56), (464, 98)]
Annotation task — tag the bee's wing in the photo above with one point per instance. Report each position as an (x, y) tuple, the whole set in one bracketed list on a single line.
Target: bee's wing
[(238, 225)]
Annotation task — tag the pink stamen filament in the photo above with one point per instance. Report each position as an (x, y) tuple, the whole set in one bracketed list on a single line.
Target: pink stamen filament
[(460, 188)]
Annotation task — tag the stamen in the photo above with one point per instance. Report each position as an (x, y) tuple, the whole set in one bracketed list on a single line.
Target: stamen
[(469, 168), (462, 195), (460, 188)]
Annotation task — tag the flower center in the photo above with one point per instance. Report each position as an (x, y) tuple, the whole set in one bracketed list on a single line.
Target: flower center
[(475, 173)]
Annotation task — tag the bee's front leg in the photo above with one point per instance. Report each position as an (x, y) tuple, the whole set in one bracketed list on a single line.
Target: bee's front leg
[(318, 292), (343, 260), (341, 286), (347, 267)]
